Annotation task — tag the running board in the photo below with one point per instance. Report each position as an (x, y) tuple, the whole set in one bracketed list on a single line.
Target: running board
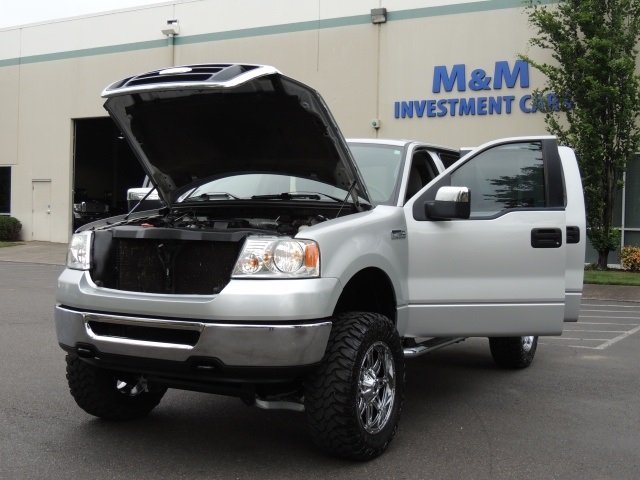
[(279, 405), (413, 349)]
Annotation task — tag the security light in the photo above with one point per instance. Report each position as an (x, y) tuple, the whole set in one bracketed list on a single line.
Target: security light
[(172, 28), (378, 15)]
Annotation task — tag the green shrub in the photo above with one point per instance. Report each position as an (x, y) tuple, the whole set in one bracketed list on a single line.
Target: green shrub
[(631, 258), (9, 229)]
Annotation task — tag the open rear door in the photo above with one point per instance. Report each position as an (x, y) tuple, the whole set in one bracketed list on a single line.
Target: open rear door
[(500, 272), (576, 234)]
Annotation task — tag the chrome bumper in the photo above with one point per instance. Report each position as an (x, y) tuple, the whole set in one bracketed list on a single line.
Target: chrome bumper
[(234, 344)]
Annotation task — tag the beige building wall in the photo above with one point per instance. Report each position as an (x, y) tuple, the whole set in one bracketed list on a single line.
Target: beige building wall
[(53, 73)]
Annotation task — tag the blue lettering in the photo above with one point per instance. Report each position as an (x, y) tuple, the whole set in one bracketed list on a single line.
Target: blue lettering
[(482, 105), (467, 106), (453, 102), (568, 104), (502, 72), (495, 105), (508, 100), (479, 80), (523, 104), (442, 108), (419, 107), (407, 109), (552, 102), (441, 77), (431, 107), (396, 110)]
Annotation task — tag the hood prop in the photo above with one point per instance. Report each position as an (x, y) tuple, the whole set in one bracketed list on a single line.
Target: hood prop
[(139, 203)]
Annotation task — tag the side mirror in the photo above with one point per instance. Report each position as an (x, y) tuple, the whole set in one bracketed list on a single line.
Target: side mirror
[(450, 203)]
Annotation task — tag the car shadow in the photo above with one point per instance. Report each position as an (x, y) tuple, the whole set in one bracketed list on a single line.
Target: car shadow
[(192, 433)]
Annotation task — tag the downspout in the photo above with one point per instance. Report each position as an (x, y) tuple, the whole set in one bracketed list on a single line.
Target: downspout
[(171, 30), (172, 54)]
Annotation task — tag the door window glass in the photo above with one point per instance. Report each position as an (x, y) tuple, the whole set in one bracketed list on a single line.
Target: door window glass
[(504, 177)]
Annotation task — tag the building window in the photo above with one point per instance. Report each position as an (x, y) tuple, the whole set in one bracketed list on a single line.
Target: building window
[(626, 214), (5, 190)]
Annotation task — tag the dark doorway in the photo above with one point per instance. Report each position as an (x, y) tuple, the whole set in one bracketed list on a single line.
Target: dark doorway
[(104, 169)]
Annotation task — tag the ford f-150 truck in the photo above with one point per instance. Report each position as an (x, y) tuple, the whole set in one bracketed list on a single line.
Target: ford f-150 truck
[(293, 270)]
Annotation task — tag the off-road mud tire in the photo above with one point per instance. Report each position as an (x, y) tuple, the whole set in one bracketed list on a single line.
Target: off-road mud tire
[(95, 391), (333, 391), (513, 352)]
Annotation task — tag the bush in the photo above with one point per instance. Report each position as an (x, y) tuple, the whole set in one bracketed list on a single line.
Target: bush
[(631, 258), (9, 229)]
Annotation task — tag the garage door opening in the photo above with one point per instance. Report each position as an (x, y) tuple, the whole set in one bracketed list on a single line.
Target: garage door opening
[(104, 169)]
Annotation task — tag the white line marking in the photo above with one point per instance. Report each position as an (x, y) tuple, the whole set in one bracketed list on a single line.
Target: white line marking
[(574, 346), (580, 339), (613, 318), (618, 338), (598, 310), (597, 331), (615, 306), (606, 323)]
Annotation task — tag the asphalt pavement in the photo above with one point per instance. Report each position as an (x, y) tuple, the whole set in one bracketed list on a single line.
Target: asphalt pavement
[(573, 414)]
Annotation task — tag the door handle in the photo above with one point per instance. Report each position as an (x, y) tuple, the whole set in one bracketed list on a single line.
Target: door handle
[(573, 235), (546, 238)]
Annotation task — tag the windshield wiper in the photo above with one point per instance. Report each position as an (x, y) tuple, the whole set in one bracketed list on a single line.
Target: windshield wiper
[(295, 196), (210, 196)]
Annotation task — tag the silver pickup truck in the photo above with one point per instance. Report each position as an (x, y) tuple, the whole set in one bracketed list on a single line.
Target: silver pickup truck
[(293, 270)]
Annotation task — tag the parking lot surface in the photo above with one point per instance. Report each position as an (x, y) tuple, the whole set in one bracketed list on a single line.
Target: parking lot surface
[(574, 414)]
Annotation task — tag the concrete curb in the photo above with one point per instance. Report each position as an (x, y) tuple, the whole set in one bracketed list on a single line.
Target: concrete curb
[(617, 293), (47, 253)]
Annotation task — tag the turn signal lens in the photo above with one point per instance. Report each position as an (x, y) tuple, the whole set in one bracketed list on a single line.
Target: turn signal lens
[(312, 256)]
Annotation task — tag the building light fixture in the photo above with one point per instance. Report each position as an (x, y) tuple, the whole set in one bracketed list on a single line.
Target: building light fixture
[(378, 15), (172, 28)]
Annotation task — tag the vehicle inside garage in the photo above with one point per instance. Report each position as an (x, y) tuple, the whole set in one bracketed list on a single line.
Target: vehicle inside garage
[(105, 167)]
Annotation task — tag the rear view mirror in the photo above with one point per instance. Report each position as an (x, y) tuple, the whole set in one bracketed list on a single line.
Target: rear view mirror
[(450, 203)]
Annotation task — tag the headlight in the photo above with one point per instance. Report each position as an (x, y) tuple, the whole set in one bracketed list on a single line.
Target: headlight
[(79, 253), (277, 257)]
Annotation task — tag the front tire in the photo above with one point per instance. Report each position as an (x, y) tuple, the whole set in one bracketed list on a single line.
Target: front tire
[(354, 398), (110, 395), (513, 352)]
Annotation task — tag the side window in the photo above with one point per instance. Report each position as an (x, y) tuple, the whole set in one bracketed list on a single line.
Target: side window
[(421, 172), (509, 176)]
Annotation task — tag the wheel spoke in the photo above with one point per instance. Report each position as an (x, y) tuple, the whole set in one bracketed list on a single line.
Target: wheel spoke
[(376, 389)]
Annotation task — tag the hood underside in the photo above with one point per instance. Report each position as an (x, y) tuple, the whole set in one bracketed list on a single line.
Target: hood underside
[(187, 133)]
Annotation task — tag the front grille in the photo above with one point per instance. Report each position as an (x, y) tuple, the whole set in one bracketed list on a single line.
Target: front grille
[(174, 266), (147, 334)]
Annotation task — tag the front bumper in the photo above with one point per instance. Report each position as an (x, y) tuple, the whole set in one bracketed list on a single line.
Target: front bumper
[(232, 344)]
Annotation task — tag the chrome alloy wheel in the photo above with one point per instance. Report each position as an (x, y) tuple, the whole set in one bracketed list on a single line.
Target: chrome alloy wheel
[(376, 388), (527, 343)]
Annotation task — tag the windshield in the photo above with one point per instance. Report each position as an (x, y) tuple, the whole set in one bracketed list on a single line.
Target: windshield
[(380, 166), (252, 185)]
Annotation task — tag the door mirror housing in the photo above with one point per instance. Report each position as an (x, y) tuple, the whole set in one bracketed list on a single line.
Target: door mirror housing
[(450, 203)]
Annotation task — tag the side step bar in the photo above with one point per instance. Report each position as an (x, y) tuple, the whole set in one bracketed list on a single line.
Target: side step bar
[(413, 349)]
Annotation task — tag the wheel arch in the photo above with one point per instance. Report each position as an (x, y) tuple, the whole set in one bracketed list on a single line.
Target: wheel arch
[(369, 290)]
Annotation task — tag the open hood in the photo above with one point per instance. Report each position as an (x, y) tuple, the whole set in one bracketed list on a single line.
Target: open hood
[(195, 123)]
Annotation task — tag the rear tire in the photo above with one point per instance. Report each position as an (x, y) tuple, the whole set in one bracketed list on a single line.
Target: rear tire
[(354, 398), (513, 352), (108, 394)]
